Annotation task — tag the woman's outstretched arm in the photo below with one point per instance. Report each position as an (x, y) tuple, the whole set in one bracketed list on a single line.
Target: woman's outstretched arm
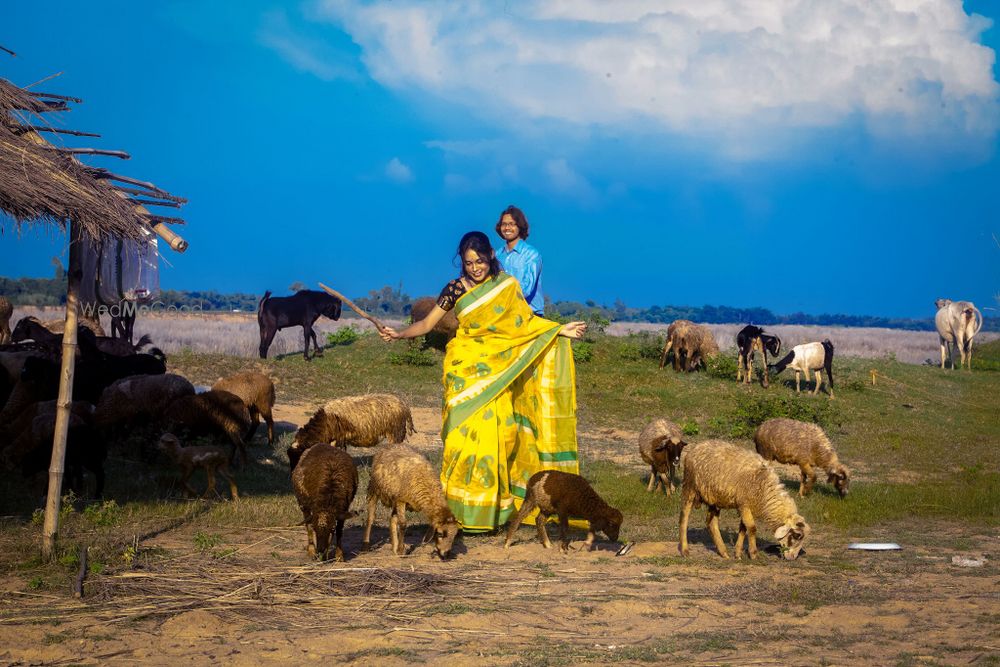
[(416, 329), (573, 330)]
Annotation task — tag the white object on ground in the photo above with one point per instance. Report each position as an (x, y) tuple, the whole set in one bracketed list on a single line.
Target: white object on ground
[(874, 546), (962, 561)]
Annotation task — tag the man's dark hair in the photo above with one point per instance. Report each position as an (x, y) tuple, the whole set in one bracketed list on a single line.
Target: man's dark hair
[(519, 219)]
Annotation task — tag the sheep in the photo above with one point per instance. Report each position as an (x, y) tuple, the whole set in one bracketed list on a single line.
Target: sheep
[(957, 323), (359, 421), (216, 413), (325, 482), (443, 331), (6, 310), (92, 324), (256, 390), (698, 343), (401, 478), (749, 340), (660, 445), (805, 445), (565, 494), (30, 439), (675, 331), (212, 459), (809, 357), (724, 476), (139, 399)]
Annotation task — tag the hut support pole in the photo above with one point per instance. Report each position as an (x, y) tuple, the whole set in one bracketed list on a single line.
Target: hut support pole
[(58, 464)]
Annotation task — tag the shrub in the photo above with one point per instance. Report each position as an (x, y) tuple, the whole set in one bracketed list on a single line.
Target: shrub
[(752, 410), (343, 336), (722, 366), (107, 513), (583, 352), (690, 427), (413, 357)]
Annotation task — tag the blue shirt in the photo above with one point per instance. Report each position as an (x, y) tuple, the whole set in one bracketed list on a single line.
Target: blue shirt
[(524, 262)]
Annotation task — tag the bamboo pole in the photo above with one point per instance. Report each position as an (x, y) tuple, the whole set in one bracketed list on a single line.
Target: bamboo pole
[(57, 466)]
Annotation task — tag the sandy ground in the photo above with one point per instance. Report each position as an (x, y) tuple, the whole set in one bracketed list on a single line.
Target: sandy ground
[(266, 603)]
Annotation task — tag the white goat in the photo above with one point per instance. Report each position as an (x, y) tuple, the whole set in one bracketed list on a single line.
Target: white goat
[(809, 357)]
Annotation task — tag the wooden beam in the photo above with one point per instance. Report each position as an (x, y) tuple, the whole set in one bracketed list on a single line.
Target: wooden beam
[(57, 466), (94, 151), (58, 130)]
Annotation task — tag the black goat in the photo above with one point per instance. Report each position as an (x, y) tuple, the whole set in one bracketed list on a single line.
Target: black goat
[(123, 320), (749, 340), (302, 309)]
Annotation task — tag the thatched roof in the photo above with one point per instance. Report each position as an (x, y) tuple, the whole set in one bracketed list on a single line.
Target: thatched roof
[(42, 182)]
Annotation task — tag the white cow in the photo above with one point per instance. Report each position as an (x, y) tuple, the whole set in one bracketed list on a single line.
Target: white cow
[(957, 323)]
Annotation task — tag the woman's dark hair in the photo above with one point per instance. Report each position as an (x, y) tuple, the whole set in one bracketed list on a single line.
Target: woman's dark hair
[(519, 219), (481, 244)]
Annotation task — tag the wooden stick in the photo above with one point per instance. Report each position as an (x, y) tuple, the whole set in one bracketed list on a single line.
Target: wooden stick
[(39, 128), (163, 218), (56, 97), (350, 304), (150, 202), (98, 172), (95, 151), (146, 193), (4, 48), (78, 584)]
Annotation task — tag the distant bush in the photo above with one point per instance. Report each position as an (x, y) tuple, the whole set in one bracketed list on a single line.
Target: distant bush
[(583, 352), (413, 357), (752, 410), (343, 336), (722, 366)]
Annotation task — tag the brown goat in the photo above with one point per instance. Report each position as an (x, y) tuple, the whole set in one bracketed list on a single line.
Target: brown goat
[(565, 494), (325, 481), (212, 459)]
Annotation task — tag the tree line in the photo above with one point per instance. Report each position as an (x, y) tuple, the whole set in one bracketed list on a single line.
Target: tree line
[(394, 302)]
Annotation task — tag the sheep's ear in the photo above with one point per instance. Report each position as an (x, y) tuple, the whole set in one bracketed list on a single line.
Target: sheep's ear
[(781, 532)]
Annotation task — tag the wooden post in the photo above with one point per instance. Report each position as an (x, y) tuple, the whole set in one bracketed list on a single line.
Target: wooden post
[(58, 464)]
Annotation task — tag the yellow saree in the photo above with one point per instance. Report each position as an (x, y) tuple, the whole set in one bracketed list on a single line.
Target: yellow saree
[(509, 404)]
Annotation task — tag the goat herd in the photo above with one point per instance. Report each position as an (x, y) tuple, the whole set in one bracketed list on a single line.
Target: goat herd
[(119, 388)]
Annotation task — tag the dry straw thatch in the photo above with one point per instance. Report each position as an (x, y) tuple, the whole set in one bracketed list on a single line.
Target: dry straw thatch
[(42, 182)]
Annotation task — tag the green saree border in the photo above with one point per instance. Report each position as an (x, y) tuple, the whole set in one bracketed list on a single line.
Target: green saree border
[(479, 290)]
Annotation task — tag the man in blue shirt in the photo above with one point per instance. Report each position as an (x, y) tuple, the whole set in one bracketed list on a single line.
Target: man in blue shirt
[(519, 259)]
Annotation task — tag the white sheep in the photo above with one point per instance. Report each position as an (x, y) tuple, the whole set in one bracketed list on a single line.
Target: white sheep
[(809, 357), (957, 323), (401, 478), (805, 445), (359, 421), (724, 476)]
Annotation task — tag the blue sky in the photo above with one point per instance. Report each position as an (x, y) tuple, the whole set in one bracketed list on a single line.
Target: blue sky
[(834, 156)]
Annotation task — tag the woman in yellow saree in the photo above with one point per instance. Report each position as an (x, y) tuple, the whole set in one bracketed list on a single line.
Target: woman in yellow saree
[(509, 390)]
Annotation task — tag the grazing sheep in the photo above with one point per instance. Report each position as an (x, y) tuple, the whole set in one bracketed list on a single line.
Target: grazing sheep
[(401, 478), (443, 331), (810, 357), (660, 445), (91, 323), (212, 459), (30, 328), (565, 494), (214, 413), (359, 421), (805, 445), (256, 390), (139, 399), (957, 324), (325, 482), (675, 333), (724, 476), (6, 310), (750, 340)]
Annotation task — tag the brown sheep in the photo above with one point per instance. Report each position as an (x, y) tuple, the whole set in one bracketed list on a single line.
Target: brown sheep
[(358, 421), (401, 478), (214, 413), (565, 494), (660, 446), (325, 481), (256, 390), (805, 445), (443, 331), (675, 333), (697, 343), (139, 398), (6, 310), (724, 476), (212, 459)]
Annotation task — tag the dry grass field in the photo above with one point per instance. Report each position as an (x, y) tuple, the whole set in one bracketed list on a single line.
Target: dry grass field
[(172, 579)]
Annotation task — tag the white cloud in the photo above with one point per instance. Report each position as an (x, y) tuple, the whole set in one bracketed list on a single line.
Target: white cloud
[(737, 71), (396, 171), (304, 54)]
